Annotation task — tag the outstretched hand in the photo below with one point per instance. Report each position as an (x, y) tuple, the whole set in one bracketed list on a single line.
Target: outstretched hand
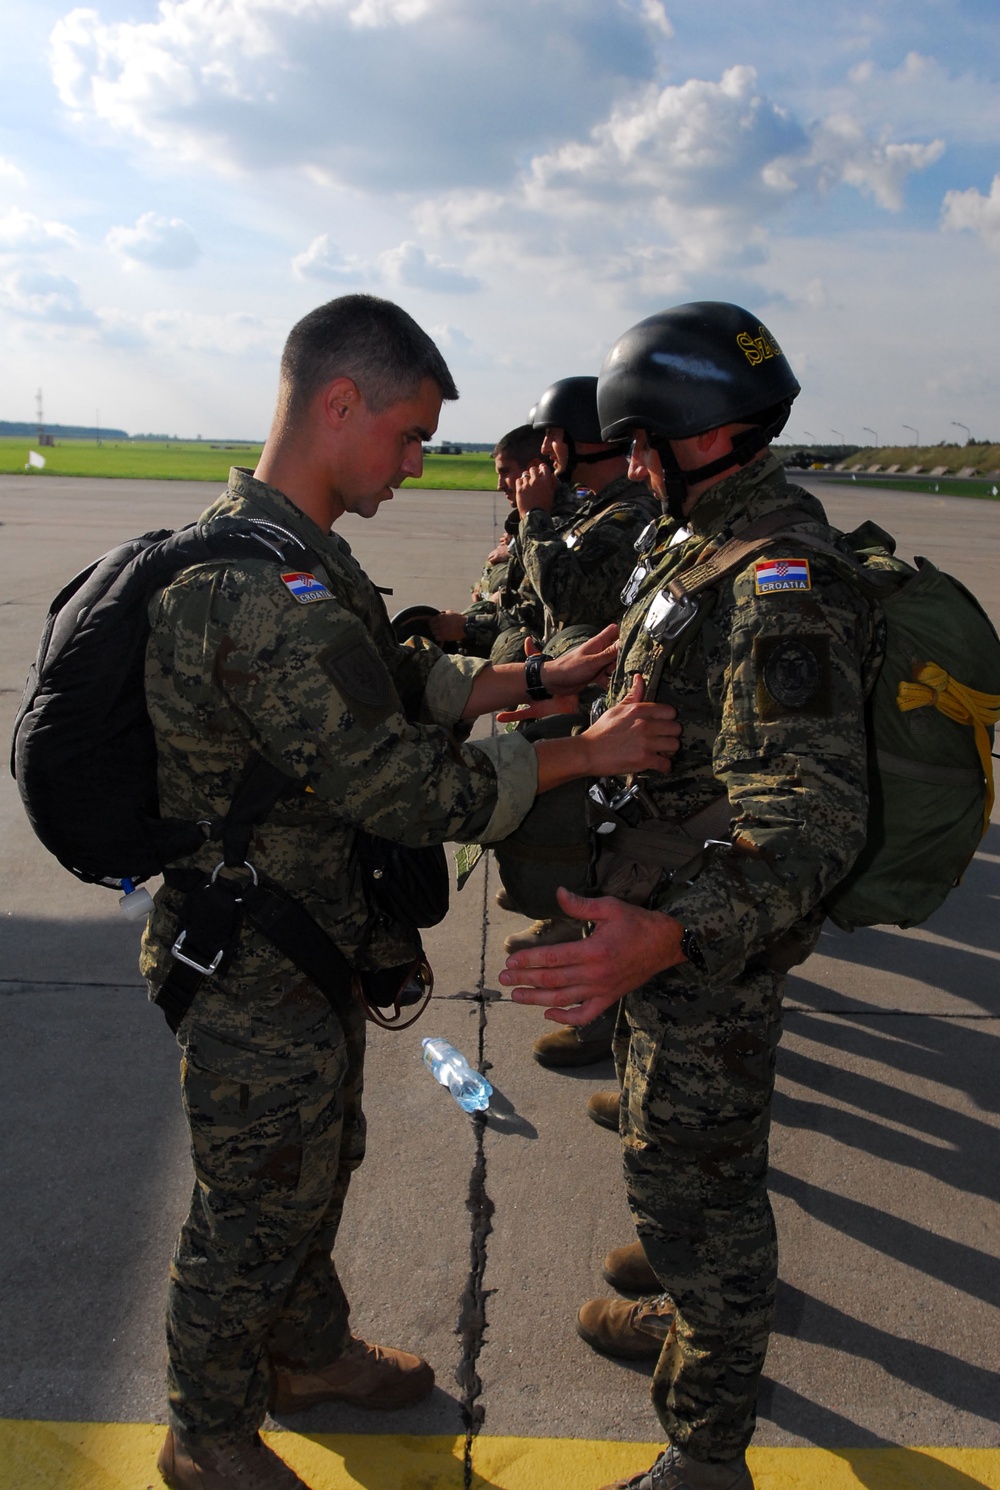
[(633, 735), (577, 981), (588, 665)]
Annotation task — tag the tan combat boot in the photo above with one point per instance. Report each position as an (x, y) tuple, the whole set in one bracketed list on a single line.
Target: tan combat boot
[(630, 1332), (571, 1046), (676, 1470), (548, 933), (243, 1466), (628, 1270), (604, 1109), (370, 1376)]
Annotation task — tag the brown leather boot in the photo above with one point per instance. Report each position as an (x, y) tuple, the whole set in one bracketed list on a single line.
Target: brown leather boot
[(604, 1109), (628, 1270), (244, 1466), (548, 933), (676, 1470), (631, 1332), (570, 1046), (371, 1376)]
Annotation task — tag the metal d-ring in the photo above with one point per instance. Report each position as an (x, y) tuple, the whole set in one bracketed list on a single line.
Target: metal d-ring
[(222, 865)]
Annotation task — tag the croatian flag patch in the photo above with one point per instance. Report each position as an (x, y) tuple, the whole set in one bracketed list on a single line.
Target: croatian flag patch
[(306, 588), (781, 574)]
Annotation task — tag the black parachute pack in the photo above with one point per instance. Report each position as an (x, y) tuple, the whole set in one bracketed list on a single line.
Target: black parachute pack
[(83, 755)]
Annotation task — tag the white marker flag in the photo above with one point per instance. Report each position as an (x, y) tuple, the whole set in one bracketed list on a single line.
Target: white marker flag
[(34, 459)]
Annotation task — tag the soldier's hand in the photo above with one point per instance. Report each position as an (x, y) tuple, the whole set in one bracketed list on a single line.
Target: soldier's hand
[(501, 552), (588, 665), (576, 981), (633, 735), (536, 487), (447, 626)]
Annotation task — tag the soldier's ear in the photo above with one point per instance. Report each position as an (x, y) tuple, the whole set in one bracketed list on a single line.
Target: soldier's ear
[(340, 401)]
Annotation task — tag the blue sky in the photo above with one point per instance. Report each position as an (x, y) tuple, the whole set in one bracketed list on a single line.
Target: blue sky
[(180, 181)]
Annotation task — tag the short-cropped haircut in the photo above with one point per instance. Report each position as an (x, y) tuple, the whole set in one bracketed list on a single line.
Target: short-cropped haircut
[(523, 445), (369, 340)]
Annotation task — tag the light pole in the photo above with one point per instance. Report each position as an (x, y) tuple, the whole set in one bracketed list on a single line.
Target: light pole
[(809, 435), (913, 432), (869, 431), (968, 434), (838, 434)]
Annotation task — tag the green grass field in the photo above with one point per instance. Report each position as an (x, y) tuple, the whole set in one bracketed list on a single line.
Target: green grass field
[(181, 460), (969, 486)]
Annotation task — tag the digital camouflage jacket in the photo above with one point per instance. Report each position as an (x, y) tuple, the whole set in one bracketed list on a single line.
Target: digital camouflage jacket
[(237, 661), (517, 610), (577, 569), (769, 682)]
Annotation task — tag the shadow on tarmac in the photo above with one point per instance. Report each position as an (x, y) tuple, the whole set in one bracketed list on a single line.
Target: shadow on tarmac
[(826, 1429)]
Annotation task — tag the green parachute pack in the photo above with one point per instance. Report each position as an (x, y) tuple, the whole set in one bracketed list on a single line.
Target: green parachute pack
[(930, 719)]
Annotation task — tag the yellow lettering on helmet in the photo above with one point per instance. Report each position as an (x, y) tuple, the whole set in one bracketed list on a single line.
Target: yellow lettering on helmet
[(750, 348), (759, 348)]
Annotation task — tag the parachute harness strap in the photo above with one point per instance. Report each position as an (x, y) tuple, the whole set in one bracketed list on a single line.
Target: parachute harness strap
[(933, 685)]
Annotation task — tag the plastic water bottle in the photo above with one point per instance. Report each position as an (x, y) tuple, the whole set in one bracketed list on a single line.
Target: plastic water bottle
[(470, 1090)]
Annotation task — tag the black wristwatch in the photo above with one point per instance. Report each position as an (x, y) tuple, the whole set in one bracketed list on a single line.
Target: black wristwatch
[(533, 676), (692, 951)]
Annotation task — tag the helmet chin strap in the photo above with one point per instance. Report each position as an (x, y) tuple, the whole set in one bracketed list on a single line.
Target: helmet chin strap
[(745, 446), (590, 457)]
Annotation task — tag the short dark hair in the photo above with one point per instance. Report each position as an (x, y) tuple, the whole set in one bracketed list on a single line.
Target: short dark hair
[(523, 445), (364, 338)]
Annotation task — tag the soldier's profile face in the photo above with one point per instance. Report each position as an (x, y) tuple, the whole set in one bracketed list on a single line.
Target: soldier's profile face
[(555, 447), (379, 451), (507, 471), (644, 464)]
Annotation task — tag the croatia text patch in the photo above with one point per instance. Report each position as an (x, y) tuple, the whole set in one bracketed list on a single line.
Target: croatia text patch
[(306, 588), (781, 574)]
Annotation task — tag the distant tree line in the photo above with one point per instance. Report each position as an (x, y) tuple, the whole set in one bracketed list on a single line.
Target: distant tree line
[(61, 431)]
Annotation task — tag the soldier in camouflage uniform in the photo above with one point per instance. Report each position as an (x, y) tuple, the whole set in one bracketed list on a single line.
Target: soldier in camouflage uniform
[(497, 606), (577, 571), (303, 669), (768, 668)]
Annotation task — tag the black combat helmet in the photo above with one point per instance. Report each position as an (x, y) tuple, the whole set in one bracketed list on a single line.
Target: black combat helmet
[(570, 405), (694, 368)]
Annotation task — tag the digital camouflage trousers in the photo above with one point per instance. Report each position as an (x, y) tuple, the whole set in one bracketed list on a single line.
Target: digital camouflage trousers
[(272, 1085), (698, 1078)]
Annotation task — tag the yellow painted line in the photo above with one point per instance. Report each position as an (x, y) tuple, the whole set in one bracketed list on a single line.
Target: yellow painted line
[(122, 1456)]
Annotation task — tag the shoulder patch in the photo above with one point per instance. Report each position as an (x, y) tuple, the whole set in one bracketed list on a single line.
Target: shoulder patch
[(358, 674), (772, 575), (793, 676), (305, 588)]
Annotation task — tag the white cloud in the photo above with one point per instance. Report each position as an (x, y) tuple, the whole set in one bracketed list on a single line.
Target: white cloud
[(23, 230), (324, 261), (682, 181), (970, 211), (163, 242), (10, 172), (843, 152), (38, 295), (922, 96), (393, 94), (409, 265)]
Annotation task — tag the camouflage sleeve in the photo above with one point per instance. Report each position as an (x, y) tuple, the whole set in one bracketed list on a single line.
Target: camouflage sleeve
[(791, 753), (583, 583), (314, 696)]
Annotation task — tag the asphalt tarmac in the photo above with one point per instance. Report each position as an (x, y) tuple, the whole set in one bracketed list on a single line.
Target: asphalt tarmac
[(476, 1242)]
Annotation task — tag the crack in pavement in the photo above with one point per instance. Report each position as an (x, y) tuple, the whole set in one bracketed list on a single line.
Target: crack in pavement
[(471, 1327)]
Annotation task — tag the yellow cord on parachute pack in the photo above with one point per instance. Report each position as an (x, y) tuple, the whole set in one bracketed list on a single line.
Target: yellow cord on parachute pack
[(933, 685)]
